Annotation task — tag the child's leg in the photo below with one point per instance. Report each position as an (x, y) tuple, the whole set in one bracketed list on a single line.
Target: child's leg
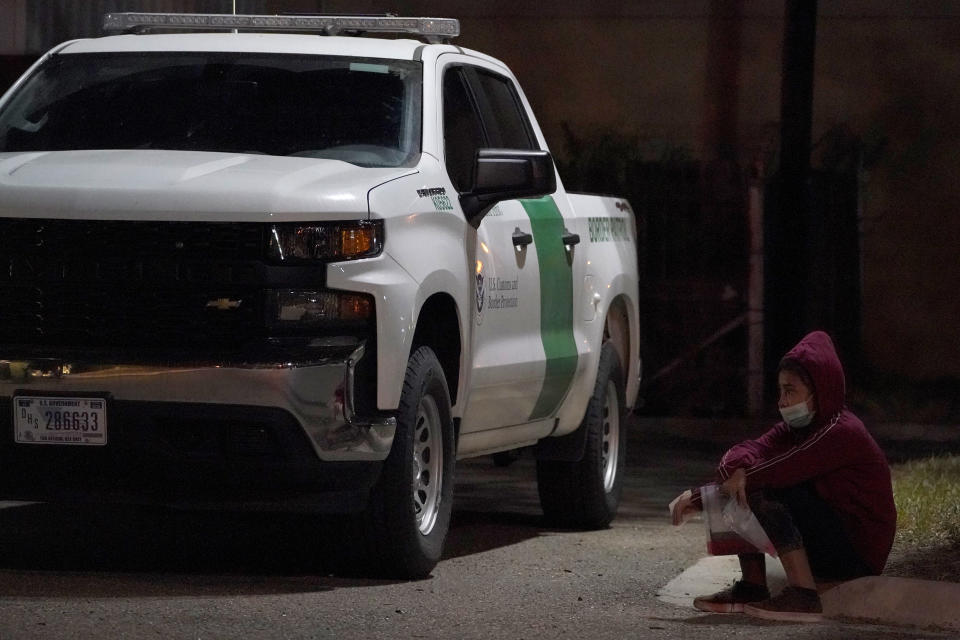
[(797, 518), (753, 566)]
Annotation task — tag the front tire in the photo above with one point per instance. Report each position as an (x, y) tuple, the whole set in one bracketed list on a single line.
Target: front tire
[(408, 516), (586, 493)]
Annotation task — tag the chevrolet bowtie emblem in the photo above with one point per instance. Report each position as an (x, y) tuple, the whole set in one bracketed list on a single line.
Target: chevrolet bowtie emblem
[(224, 304)]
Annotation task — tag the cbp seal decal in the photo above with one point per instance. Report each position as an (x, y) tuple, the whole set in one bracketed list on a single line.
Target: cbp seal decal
[(481, 292)]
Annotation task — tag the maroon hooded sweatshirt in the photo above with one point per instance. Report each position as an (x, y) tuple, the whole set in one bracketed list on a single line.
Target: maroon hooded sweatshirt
[(836, 455)]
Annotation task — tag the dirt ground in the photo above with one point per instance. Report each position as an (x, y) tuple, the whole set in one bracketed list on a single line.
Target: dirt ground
[(925, 563)]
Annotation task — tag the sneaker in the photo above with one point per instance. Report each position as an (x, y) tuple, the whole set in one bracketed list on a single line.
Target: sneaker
[(794, 604), (732, 599)]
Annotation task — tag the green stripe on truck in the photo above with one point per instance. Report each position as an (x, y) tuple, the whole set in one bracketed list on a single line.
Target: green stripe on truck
[(556, 304)]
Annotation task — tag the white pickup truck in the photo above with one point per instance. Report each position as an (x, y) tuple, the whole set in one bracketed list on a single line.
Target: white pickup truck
[(302, 271)]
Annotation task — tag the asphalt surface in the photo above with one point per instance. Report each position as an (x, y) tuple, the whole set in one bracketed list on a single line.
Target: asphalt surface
[(147, 573)]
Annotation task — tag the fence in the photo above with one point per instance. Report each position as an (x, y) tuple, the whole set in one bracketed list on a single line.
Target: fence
[(701, 295)]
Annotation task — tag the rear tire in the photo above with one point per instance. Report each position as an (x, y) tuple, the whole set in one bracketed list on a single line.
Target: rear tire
[(585, 494), (405, 524)]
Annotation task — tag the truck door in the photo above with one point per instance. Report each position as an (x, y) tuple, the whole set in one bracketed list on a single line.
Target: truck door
[(522, 367)]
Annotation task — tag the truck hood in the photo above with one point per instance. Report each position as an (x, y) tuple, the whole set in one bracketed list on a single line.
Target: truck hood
[(184, 185)]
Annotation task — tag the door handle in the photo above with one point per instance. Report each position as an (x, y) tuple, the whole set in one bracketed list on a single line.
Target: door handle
[(521, 238), (570, 239)]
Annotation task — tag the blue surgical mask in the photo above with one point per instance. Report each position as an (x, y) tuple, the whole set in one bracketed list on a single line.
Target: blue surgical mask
[(797, 415)]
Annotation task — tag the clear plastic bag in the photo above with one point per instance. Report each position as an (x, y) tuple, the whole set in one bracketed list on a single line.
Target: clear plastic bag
[(741, 520), (731, 529)]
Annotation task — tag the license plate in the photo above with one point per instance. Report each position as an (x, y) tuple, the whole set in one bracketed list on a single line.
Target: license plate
[(58, 420)]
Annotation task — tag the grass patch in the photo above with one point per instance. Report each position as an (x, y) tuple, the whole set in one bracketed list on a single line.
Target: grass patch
[(927, 495)]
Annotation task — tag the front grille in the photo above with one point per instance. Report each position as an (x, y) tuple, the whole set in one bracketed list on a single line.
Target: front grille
[(130, 284), (118, 242)]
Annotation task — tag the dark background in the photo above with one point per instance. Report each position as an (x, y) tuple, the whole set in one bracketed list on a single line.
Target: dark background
[(837, 119)]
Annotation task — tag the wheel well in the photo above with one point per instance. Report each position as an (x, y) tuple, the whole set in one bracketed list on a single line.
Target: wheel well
[(616, 330), (438, 328)]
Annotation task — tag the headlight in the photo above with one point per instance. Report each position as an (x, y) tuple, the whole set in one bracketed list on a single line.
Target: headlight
[(324, 242), (313, 309)]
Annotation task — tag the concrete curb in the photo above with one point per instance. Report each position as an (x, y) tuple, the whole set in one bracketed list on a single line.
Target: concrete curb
[(881, 600), (896, 601)]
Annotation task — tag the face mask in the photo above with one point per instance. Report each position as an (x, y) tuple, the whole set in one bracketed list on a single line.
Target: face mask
[(797, 415)]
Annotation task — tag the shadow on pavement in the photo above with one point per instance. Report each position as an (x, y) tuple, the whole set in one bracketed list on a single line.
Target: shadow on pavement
[(478, 531), (112, 551), (183, 553), (835, 632), (717, 619)]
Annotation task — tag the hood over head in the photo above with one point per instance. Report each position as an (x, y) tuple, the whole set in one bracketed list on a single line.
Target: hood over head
[(818, 357)]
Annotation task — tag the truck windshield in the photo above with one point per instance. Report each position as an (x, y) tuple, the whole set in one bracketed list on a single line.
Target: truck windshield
[(360, 110)]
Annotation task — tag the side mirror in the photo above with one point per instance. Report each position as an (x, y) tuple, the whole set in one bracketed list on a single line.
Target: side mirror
[(507, 174)]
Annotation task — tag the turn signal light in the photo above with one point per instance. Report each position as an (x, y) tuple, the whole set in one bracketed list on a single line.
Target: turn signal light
[(313, 309), (324, 242)]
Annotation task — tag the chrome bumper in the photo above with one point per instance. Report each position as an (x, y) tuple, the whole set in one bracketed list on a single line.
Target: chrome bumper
[(319, 394)]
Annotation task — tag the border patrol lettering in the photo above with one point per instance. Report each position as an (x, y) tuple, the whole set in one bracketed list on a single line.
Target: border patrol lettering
[(608, 229)]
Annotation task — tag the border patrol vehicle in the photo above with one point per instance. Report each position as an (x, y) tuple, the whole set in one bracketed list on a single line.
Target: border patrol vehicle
[(304, 271)]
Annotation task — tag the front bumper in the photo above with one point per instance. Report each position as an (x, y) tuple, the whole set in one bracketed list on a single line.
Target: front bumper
[(240, 434), (319, 394)]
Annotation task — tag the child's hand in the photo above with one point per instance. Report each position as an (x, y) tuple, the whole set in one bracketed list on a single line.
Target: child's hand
[(682, 508), (736, 487)]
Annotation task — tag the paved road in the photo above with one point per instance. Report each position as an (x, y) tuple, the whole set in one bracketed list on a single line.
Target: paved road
[(138, 573)]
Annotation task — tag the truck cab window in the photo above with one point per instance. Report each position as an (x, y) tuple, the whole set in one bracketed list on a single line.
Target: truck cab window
[(503, 115), (462, 131)]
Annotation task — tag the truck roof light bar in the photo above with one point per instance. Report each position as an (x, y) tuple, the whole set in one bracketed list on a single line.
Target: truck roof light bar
[(431, 29)]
